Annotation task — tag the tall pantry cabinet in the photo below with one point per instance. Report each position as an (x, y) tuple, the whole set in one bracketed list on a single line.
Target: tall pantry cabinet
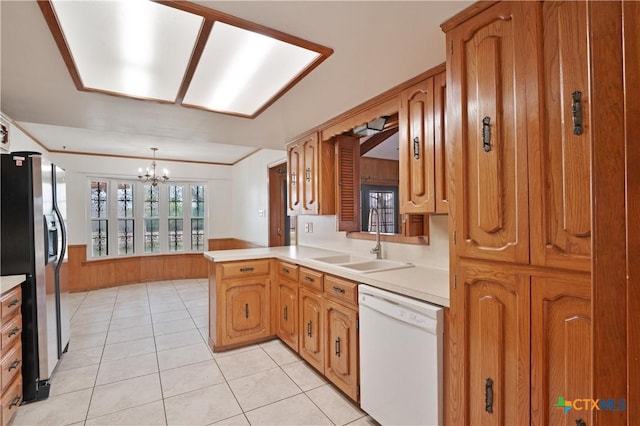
[(518, 123)]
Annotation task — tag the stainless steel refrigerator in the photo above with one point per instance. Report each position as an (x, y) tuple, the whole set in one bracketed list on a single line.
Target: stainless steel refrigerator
[(33, 234)]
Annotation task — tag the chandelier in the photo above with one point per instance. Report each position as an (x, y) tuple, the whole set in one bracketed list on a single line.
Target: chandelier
[(151, 176)]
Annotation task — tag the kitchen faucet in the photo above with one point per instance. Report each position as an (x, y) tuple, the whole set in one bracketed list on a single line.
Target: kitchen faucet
[(377, 250)]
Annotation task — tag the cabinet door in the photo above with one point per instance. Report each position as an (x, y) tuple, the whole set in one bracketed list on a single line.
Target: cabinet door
[(294, 191), (288, 313), (487, 117), (341, 350), (561, 161), (246, 310), (347, 152), (417, 155), (312, 329), (561, 347), (309, 175), (440, 143), (492, 306)]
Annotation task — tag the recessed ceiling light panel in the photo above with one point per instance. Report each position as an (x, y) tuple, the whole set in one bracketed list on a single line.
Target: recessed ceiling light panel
[(240, 70), (136, 48)]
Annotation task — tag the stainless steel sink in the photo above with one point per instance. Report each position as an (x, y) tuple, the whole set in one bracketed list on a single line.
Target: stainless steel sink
[(362, 265)]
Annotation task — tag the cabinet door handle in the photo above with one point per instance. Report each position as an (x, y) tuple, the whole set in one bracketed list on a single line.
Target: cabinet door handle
[(337, 347), (14, 364), (580, 422), (488, 395), (14, 331), (309, 329), (286, 313), (246, 310), (14, 402), (416, 148), (249, 269), (576, 112), (285, 270), (486, 134), (308, 278), (308, 174), (13, 303), (338, 289), (293, 178)]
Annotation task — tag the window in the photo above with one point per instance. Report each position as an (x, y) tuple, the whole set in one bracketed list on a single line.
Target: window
[(197, 218), (151, 219), (141, 218), (175, 218), (99, 221), (126, 234), (385, 199)]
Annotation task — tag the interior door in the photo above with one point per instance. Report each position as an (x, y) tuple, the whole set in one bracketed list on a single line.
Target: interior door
[(278, 219)]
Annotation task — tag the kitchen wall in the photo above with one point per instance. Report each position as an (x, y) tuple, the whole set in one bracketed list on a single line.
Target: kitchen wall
[(250, 195), (324, 235)]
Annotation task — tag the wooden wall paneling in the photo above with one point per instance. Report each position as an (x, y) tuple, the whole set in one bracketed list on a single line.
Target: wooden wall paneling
[(151, 268), (127, 270), (608, 208), (378, 171), (229, 244), (631, 14), (77, 254)]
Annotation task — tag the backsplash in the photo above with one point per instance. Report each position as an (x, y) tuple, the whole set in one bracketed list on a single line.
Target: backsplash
[(324, 235)]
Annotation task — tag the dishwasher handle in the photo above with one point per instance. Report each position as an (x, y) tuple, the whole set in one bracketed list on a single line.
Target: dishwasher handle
[(402, 313)]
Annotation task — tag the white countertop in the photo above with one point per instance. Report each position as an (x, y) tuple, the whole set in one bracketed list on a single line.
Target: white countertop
[(422, 283), (10, 281)]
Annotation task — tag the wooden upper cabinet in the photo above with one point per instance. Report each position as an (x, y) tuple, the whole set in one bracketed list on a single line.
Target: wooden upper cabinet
[(561, 361), (310, 174), (560, 182), (417, 152), (488, 69), (347, 154), (440, 143), (492, 306)]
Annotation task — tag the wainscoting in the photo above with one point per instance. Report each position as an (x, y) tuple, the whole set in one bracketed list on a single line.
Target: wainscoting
[(95, 274)]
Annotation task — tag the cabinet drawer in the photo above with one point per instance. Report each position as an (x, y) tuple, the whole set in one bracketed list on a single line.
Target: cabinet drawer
[(340, 289), (245, 268), (11, 399), (287, 270), (10, 365), (311, 279), (11, 303), (11, 332)]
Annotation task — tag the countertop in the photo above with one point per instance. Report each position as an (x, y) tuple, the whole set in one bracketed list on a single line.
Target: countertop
[(419, 282), (10, 281)]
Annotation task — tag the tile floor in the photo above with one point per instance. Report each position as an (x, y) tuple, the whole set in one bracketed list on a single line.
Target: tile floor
[(138, 356)]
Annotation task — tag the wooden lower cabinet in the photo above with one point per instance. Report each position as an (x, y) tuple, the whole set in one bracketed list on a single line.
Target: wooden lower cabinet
[(493, 322), (341, 347), (527, 343), (312, 328), (10, 354), (288, 313), (561, 347), (239, 299)]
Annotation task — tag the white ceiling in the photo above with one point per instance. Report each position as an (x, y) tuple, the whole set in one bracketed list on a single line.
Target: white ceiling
[(376, 44)]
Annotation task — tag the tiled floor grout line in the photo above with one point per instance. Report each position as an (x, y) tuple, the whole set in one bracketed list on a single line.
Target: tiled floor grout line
[(155, 344)]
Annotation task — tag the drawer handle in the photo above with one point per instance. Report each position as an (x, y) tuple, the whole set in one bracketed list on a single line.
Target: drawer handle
[(309, 279), (338, 347), (246, 310), (580, 422), (14, 364), (14, 331), (488, 395), (286, 313), (249, 269), (309, 329), (14, 402), (285, 270), (338, 289), (13, 303)]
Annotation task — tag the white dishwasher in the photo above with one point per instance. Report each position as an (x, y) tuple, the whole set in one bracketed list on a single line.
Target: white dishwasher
[(400, 358)]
